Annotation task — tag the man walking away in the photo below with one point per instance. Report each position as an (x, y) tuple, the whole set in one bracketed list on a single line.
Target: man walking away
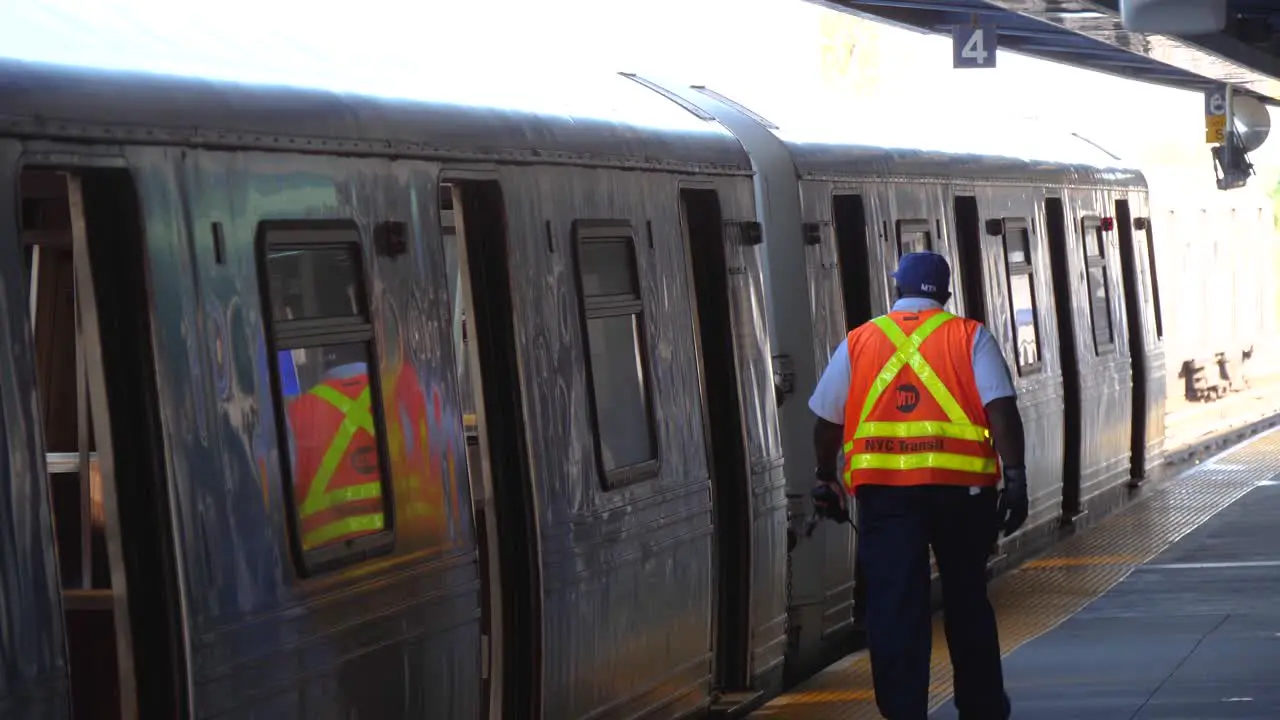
[(918, 403)]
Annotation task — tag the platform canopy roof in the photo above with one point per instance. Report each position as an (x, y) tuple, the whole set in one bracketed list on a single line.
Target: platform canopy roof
[(1245, 54)]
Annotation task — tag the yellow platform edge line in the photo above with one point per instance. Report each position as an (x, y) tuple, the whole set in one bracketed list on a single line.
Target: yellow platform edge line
[(1044, 592)]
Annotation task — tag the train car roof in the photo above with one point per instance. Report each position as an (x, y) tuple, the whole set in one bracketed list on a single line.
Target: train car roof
[(69, 76), (510, 115), (843, 140), (954, 148)]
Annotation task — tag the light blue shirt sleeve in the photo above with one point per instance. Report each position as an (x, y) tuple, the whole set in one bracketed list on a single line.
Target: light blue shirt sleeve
[(990, 369), (828, 399)]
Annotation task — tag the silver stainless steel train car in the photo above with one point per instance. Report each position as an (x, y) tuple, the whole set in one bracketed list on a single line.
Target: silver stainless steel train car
[(185, 260), (569, 325)]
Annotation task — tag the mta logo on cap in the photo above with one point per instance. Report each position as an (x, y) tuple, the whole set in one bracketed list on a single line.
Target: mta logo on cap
[(923, 273)]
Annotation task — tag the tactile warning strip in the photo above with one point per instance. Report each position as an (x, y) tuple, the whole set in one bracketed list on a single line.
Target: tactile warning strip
[(1042, 593)]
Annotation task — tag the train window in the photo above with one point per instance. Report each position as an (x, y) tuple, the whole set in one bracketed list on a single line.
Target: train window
[(1099, 290), (332, 423), (617, 366), (1092, 239), (1016, 241), (608, 269), (1022, 296), (297, 277), (914, 236)]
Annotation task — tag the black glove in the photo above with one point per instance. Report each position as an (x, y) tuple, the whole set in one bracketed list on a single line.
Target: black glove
[(827, 502), (1011, 510)]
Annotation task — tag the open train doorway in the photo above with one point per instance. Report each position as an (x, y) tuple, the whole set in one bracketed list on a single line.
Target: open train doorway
[(1137, 340), (726, 440), (90, 313), (854, 258), (969, 242), (473, 227), (850, 217), (1056, 224)]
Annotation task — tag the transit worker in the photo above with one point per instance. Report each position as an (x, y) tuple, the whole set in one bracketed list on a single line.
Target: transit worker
[(918, 402)]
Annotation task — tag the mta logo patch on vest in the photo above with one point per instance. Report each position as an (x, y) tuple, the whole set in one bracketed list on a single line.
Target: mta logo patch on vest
[(908, 398)]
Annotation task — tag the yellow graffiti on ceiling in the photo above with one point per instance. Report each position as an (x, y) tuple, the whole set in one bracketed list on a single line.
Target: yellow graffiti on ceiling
[(851, 51)]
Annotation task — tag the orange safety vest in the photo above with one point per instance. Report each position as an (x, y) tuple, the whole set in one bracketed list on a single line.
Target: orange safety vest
[(337, 485), (913, 415)]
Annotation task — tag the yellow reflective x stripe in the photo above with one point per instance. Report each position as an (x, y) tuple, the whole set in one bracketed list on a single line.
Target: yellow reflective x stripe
[(336, 529), (920, 461), (355, 417), (922, 428), (908, 353)]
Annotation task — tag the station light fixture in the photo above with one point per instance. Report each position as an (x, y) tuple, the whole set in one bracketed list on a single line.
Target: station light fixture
[(1174, 17)]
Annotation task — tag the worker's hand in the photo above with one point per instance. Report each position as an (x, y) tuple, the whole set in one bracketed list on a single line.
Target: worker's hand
[(1012, 508), (830, 501)]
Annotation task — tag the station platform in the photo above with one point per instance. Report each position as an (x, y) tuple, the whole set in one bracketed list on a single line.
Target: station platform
[(1166, 609), (1186, 423)]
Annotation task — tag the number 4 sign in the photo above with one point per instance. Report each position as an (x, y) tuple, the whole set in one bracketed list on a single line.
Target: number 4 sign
[(973, 46)]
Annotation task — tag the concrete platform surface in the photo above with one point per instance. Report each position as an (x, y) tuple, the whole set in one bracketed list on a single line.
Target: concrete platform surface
[(1194, 634)]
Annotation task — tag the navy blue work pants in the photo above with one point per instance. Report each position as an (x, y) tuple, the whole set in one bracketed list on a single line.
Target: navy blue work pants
[(896, 527)]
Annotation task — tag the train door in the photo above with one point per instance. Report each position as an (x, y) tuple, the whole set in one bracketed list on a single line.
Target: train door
[(969, 253), (916, 226), (853, 254), (90, 315), (473, 225), (1060, 271), (850, 215), (1138, 357), (727, 451), (33, 658)]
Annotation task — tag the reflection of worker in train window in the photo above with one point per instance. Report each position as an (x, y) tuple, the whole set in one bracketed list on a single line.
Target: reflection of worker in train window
[(333, 447), (419, 476), (422, 478)]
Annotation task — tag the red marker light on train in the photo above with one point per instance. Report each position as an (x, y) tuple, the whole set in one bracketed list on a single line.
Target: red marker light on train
[(1108, 224)]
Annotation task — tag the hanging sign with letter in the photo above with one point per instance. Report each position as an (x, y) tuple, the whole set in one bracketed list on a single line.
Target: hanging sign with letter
[(1215, 115)]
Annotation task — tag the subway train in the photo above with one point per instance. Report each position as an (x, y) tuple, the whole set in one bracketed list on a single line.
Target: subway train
[(587, 315)]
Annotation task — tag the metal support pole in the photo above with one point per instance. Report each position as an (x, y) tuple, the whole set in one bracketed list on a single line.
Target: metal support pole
[(1229, 148), (82, 448)]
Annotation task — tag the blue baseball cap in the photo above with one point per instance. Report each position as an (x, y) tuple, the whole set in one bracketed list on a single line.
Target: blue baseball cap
[(923, 273)]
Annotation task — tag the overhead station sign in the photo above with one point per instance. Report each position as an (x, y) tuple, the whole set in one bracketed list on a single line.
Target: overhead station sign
[(1215, 115), (974, 45)]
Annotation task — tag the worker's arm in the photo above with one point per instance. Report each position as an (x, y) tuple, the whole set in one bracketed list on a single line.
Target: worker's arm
[(1006, 430), (827, 402), (1000, 399), (826, 445)]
